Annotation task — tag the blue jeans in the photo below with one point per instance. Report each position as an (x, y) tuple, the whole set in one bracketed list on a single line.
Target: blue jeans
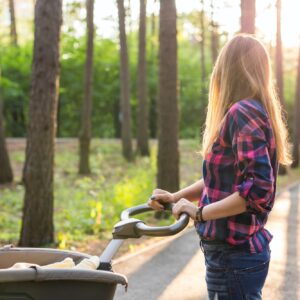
[(234, 274)]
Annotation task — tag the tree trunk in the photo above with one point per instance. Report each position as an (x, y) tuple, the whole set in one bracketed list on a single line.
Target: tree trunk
[(6, 174), (37, 223), (296, 141), (142, 128), (128, 17), (202, 50), (85, 133), (248, 16), (116, 117), (168, 112), (279, 58), (153, 71), (125, 109), (13, 27), (279, 68), (214, 34), (153, 33)]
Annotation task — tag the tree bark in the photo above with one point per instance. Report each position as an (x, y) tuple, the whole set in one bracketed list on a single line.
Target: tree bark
[(214, 34), (85, 133), (125, 109), (128, 17), (168, 112), (248, 16), (279, 57), (153, 66), (6, 174), (202, 50), (296, 141), (279, 68), (142, 128), (13, 27), (37, 222)]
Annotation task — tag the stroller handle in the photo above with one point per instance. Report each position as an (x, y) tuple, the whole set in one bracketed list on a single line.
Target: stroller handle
[(135, 210), (129, 227), (143, 229)]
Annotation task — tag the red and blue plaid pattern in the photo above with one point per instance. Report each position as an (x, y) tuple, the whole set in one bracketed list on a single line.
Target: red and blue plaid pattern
[(243, 158)]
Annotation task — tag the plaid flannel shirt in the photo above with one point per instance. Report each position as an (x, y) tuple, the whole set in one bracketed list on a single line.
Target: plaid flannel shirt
[(243, 158)]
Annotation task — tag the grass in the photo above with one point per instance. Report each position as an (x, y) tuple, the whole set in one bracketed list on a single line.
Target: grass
[(86, 208)]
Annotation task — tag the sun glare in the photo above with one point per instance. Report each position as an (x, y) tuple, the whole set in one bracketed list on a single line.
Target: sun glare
[(226, 14), (266, 21)]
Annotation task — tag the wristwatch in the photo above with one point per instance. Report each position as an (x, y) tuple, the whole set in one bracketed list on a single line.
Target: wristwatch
[(199, 217)]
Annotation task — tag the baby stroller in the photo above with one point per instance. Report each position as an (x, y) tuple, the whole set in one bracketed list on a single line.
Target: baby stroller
[(64, 284)]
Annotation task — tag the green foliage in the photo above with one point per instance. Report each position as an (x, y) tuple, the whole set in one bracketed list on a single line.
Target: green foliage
[(15, 64), (192, 102), (105, 87), (15, 67), (16, 70), (11, 201), (90, 206), (84, 205)]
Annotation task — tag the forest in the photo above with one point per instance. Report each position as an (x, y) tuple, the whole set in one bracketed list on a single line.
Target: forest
[(93, 118)]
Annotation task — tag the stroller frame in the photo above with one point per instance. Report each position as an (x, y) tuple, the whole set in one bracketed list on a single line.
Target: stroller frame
[(36, 283)]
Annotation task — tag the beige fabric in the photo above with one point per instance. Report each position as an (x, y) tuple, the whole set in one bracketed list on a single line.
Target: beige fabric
[(67, 263), (39, 258), (91, 263)]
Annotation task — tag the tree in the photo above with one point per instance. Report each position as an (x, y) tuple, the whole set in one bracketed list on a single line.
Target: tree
[(296, 132), (168, 112), (279, 58), (248, 16), (37, 222), (142, 124), (214, 33), (6, 174), (17, 111), (13, 27), (202, 49), (128, 15), (125, 109), (85, 133), (279, 68), (153, 89)]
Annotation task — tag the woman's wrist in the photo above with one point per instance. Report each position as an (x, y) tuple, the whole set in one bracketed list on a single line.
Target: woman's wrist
[(177, 196), (199, 215)]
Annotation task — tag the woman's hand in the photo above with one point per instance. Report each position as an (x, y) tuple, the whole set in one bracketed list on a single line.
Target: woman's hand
[(184, 206), (160, 196)]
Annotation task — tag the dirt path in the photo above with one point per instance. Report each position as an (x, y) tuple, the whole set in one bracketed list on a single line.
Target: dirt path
[(175, 270)]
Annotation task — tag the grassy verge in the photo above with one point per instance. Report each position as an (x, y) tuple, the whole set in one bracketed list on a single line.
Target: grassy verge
[(86, 208)]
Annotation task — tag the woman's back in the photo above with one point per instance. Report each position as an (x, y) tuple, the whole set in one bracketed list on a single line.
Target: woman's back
[(243, 158)]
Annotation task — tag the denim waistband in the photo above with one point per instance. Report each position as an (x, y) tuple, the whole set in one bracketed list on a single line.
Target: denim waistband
[(215, 245)]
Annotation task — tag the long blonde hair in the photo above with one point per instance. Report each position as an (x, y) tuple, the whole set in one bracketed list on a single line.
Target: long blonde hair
[(243, 70)]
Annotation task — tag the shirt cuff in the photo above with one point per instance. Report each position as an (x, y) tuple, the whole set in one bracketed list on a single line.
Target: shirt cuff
[(244, 190)]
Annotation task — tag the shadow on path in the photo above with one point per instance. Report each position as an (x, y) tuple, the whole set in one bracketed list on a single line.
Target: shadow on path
[(153, 277), (290, 285)]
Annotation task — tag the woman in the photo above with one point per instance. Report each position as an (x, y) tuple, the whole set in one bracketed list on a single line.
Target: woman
[(244, 141)]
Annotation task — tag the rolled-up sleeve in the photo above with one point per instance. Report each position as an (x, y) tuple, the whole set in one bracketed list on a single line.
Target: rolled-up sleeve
[(254, 163)]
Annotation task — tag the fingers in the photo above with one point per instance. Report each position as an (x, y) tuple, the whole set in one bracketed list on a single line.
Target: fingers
[(184, 206), (159, 191), (176, 210), (155, 205), (161, 196)]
